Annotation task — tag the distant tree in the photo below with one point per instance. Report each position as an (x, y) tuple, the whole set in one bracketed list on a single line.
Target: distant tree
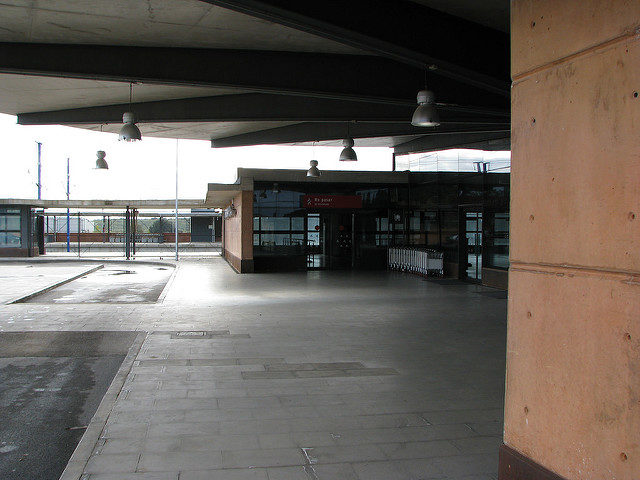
[(161, 225)]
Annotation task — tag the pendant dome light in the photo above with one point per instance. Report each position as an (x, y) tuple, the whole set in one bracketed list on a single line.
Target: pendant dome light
[(129, 131), (313, 171), (101, 163), (348, 154), (426, 115)]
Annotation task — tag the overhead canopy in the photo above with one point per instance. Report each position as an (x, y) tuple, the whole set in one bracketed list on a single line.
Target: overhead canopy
[(247, 72)]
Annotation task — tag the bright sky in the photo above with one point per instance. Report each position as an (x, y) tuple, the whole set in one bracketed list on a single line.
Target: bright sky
[(144, 169)]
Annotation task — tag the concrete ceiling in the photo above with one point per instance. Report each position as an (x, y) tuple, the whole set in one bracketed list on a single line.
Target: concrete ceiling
[(191, 130), (28, 93), (201, 24), (158, 23)]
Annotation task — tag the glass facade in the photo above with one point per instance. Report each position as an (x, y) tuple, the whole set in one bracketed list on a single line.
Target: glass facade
[(426, 211), (10, 227)]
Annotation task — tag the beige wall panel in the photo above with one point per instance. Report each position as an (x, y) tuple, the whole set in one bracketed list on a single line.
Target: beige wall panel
[(543, 31), (238, 230), (576, 162), (573, 372), (247, 225), (233, 230)]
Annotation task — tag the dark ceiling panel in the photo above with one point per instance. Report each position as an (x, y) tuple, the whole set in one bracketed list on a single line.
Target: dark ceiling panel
[(401, 30), (314, 131), (251, 107), (361, 78), (476, 140)]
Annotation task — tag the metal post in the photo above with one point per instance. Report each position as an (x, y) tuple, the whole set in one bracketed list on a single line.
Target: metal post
[(126, 233), (134, 223), (68, 216), (353, 240), (39, 171), (78, 234), (176, 199)]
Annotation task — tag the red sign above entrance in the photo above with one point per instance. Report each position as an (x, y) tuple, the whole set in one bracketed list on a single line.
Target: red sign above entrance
[(331, 201)]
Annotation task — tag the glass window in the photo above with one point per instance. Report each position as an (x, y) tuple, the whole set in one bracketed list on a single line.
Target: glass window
[(382, 239), (497, 240), (267, 239), (256, 239), (9, 239), (282, 239), (282, 223), (313, 238), (256, 223), (313, 222), (414, 222), (382, 224), (297, 223), (10, 228)]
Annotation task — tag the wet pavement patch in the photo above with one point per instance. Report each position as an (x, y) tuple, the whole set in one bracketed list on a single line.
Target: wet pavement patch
[(51, 384), (112, 284)]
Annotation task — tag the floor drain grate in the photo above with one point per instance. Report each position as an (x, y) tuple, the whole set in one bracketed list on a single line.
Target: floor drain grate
[(203, 334), (190, 334)]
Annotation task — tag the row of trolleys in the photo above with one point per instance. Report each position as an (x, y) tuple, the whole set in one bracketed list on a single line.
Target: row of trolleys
[(421, 261)]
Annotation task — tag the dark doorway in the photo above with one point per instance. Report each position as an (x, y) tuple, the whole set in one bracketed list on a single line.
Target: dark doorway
[(330, 240)]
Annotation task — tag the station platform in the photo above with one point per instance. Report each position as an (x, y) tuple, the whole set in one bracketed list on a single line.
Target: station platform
[(307, 375)]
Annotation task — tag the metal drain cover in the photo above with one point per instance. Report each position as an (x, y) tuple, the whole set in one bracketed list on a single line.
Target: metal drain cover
[(191, 334)]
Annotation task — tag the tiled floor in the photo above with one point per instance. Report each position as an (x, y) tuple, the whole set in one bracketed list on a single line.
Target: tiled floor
[(326, 375)]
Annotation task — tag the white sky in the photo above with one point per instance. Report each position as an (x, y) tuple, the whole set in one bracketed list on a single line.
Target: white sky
[(144, 169)]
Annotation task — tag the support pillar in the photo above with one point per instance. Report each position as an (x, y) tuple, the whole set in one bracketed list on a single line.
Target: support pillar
[(572, 405)]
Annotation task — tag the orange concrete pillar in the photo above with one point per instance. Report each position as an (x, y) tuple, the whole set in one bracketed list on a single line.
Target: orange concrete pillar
[(238, 234), (572, 406)]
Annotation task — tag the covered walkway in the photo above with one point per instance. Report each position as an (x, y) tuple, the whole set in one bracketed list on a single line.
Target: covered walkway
[(320, 375)]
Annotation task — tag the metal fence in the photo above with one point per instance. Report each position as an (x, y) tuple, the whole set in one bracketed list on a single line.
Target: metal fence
[(421, 261)]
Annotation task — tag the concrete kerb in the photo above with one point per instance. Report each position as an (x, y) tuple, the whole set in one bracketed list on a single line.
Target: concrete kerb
[(167, 285), (82, 453), (164, 263), (55, 285)]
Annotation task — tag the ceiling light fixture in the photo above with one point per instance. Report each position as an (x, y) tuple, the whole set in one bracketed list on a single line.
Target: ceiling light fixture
[(426, 115), (348, 154), (129, 131), (101, 163), (313, 171)]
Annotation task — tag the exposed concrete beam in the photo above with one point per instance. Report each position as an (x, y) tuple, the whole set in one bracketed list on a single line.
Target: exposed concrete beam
[(229, 108), (305, 132), (352, 77), (477, 140), (401, 30), (161, 204), (251, 107)]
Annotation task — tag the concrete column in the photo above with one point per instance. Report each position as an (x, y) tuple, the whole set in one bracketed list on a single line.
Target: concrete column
[(572, 406), (238, 234)]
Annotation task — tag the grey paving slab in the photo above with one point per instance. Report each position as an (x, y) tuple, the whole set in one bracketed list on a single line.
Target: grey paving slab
[(374, 375), (20, 279)]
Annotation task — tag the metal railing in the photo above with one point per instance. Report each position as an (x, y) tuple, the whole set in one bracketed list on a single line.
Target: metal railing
[(421, 261)]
